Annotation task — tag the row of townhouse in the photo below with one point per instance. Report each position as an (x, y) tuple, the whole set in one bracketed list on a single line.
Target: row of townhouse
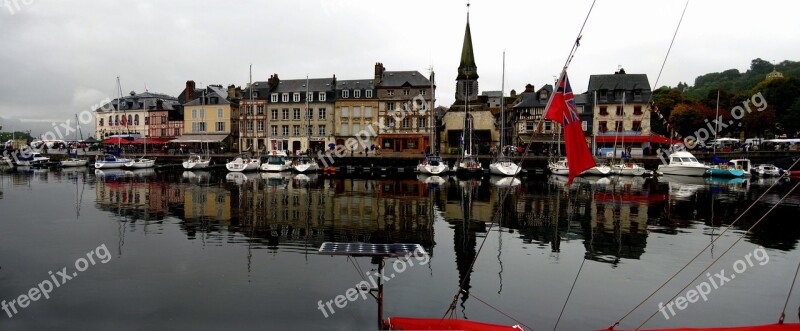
[(388, 111)]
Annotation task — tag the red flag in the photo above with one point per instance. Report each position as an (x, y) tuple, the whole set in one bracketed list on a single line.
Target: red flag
[(562, 109), (124, 121)]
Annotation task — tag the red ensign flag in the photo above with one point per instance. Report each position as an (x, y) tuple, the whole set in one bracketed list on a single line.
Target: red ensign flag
[(562, 109)]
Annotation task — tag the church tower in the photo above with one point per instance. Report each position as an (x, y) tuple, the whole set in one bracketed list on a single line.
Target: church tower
[(467, 79)]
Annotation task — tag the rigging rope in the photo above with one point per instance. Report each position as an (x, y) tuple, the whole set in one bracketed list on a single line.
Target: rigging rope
[(498, 310), (569, 218), (725, 252), (699, 253), (783, 313), (451, 308)]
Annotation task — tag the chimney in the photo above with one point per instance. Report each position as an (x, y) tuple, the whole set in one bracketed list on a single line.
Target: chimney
[(238, 92), (188, 93), (160, 104), (528, 88), (273, 81), (513, 93), (231, 91), (379, 69), (333, 82)]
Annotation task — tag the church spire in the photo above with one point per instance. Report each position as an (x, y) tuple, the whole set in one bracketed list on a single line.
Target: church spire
[(467, 79)]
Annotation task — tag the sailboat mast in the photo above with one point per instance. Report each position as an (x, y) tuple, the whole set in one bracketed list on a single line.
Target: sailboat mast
[(716, 125), (431, 123), (502, 106), (308, 136)]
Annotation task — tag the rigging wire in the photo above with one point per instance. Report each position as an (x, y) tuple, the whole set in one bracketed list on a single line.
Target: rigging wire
[(783, 313), (699, 253), (452, 307), (726, 251)]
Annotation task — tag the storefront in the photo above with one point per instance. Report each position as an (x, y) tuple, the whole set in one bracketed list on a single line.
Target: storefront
[(403, 143)]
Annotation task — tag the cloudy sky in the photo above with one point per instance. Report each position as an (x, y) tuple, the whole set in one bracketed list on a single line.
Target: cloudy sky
[(59, 58)]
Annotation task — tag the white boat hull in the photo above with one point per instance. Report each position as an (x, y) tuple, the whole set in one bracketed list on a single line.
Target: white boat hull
[(625, 170), (74, 163), (680, 170), (275, 167), (141, 163), (597, 171), (306, 167), (504, 169), (119, 163), (428, 169), (195, 165), (240, 165)]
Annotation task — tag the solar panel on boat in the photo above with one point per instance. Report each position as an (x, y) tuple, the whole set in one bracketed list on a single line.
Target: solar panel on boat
[(367, 249)]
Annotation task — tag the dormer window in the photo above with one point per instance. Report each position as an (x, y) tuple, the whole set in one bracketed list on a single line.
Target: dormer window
[(543, 95), (368, 94), (602, 94), (321, 96), (285, 97), (345, 94), (618, 95), (274, 97), (421, 92), (356, 93), (390, 93), (296, 97), (310, 96), (637, 94), (405, 92)]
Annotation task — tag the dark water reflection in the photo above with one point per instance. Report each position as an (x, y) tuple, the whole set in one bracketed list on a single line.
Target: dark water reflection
[(209, 250)]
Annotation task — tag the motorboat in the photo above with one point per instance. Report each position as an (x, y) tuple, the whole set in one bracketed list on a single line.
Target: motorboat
[(242, 163), (195, 161), (33, 160), (432, 165), (629, 169), (504, 166), (766, 170), (73, 162), (683, 164), (561, 167), (743, 164), (305, 164), (276, 162), (109, 161)]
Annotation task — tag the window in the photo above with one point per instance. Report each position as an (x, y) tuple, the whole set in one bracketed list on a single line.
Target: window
[(274, 97), (368, 93), (177, 132), (602, 126), (322, 113), (406, 123), (274, 130), (163, 132), (198, 126), (637, 95), (248, 109), (285, 97), (100, 123), (260, 126), (296, 97), (310, 130), (390, 93), (423, 122), (285, 113), (585, 125), (275, 114), (194, 113), (296, 130), (405, 91), (345, 130), (322, 130), (637, 126), (356, 93), (130, 120), (390, 122), (548, 126), (603, 94), (637, 110), (421, 92), (147, 121), (345, 94), (321, 96), (618, 95), (285, 130), (345, 112), (202, 113), (260, 109), (356, 111), (530, 125), (110, 120), (220, 126), (618, 126), (249, 126), (136, 120), (310, 96), (368, 112), (603, 110), (620, 111), (390, 106), (219, 111), (356, 128), (296, 114)]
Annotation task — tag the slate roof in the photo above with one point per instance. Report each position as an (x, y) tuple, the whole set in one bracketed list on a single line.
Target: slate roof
[(613, 82), (531, 99), (212, 91), (355, 84), (145, 101), (400, 78), (299, 85), (260, 91)]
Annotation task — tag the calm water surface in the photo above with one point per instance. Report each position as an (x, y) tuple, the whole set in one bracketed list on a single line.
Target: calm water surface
[(211, 250)]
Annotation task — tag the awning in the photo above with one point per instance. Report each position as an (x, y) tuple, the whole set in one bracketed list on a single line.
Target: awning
[(652, 138), (154, 141), (117, 141), (200, 138)]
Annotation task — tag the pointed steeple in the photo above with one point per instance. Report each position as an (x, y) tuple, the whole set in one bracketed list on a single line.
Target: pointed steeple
[(467, 67)]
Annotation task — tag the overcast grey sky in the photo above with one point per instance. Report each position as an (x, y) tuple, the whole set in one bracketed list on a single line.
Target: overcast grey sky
[(59, 58)]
